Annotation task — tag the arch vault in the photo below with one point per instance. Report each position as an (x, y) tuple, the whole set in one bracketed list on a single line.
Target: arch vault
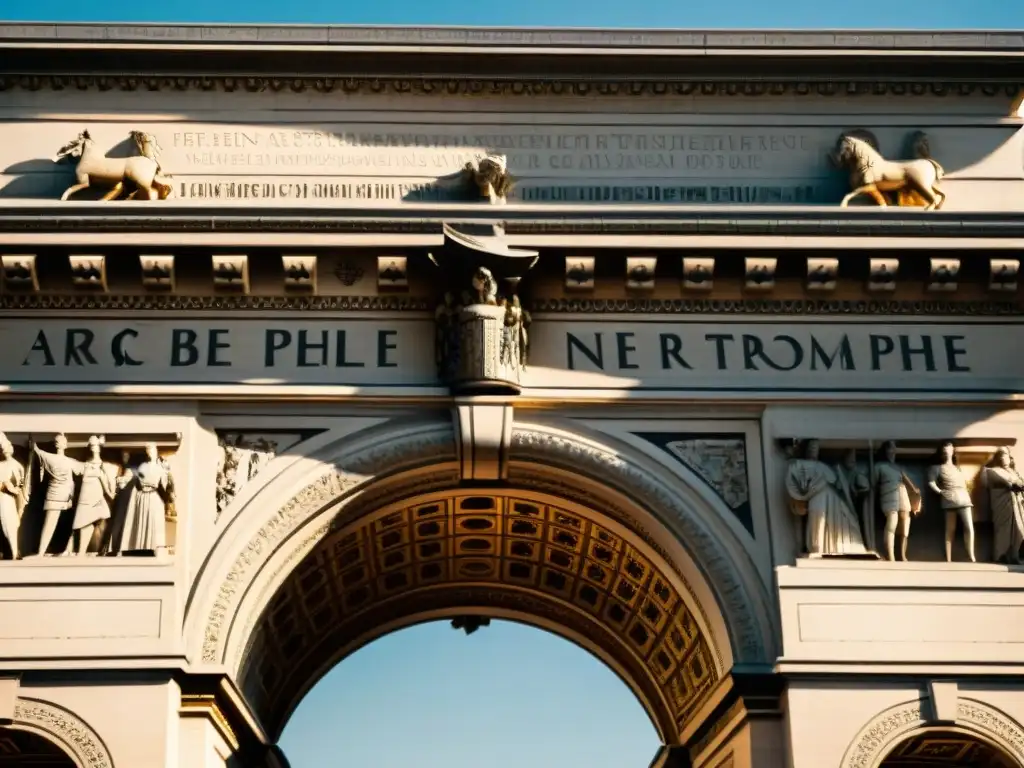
[(539, 521)]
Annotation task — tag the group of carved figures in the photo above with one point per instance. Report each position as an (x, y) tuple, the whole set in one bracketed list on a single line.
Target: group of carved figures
[(838, 504), (135, 500), (514, 347)]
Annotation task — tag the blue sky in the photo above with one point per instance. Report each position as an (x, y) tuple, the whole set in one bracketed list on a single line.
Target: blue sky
[(937, 14), (508, 696)]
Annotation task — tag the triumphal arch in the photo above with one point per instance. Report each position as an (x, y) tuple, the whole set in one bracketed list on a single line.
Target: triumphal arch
[(701, 350)]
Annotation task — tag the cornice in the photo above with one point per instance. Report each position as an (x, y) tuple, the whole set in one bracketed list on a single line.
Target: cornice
[(506, 61), (737, 40), (808, 85), (16, 302), (427, 219)]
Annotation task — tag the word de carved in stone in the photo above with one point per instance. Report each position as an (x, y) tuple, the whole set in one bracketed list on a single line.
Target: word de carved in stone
[(142, 172), (114, 507)]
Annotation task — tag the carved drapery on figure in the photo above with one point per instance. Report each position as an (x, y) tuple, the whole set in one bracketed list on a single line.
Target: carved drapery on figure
[(149, 502), (142, 172), (95, 502), (1006, 497), (482, 332), (12, 496), (883, 491), (823, 496), (915, 182)]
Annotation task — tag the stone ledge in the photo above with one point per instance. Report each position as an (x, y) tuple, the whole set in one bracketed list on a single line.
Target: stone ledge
[(738, 41)]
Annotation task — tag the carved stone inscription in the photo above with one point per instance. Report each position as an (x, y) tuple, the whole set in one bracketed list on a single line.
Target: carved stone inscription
[(392, 162), (693, 355), (339, 352), (798, 356), (377, 149)]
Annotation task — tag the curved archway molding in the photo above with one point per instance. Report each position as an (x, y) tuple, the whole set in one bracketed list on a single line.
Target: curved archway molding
[(67, 730), (281, 524), (887, 729)]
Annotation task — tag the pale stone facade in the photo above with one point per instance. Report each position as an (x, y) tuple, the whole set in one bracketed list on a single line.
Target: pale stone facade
[(351, 342)]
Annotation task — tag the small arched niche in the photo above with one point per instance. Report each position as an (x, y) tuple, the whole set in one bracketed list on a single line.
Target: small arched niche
[(25, 749), (946, 748)]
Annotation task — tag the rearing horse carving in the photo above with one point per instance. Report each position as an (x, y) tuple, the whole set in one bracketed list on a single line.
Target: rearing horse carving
[(95, 170), (916, 182)]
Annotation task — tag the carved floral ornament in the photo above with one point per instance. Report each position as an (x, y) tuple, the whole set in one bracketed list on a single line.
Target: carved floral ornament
[(741, 596), (885, 731), (71, 733)]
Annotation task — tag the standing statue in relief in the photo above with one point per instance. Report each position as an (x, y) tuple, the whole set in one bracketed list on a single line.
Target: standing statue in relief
[(898, 498), (150, 490), (947, 480), (96, 489), (12, 495), (833, 527), (60, 490), (1006, 497), (857, 487)]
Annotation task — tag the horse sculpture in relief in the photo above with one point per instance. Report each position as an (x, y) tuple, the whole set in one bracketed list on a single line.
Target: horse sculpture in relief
[(915, 182), (93, 169)]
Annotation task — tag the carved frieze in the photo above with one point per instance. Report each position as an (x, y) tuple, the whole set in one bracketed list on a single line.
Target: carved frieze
[(84, 495), (856, 497), (139, 175), (471, 86)]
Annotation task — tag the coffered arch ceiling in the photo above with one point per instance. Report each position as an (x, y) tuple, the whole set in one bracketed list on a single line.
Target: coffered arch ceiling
[(524, 556)]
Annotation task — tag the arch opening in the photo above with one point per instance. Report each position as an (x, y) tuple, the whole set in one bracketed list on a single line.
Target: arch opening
[(21, 748), (499, 697), (947, 748), (522, 556)]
